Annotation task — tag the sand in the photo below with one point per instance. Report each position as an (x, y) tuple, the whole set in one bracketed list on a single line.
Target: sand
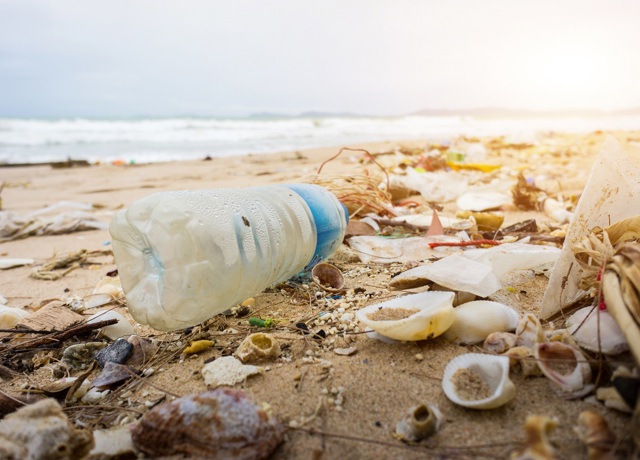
[(348, 405)]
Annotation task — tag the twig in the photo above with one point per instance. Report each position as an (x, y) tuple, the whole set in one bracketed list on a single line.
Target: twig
[(59, 337), (357, 150)]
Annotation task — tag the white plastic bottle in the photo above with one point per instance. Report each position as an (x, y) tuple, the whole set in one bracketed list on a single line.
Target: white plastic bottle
[(186, 256)]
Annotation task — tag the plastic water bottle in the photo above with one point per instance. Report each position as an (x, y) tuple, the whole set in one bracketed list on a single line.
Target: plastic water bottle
[(186, 256)]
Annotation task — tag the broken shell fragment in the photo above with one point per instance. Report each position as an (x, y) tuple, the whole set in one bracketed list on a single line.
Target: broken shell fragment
[(42, 431), (529, 331), (596, 330), (478, 381), (474, 321), (419, 423), (566, 367), (522, 358), (592, 429), (219, 424), (258, 347), (10, 317), (411, 317), (499, 342), (328, 277), (227, 370), (537, 445), (121, 329)]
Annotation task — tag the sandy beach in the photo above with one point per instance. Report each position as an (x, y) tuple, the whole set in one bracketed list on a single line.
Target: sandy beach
[(338, 407)]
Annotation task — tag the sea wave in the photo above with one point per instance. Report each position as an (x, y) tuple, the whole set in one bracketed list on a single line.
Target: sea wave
[(150, 140)]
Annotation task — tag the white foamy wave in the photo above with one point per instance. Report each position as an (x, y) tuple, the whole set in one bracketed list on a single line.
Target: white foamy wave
[(150, 140)]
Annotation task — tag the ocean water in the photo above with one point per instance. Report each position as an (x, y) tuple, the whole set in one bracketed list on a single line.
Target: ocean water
[(166, 139)]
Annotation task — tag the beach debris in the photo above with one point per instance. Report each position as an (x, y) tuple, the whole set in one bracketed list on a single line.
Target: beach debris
[(485, 221), (60, 267), (419, 423), (557, 210), (537, 445), (81, 355), (219, 424), (409, 249), (118, 352), (596, 330), (610, 195), (522, 358), (112, 443), (526, 195), (7, 263), (121, 329), (227, 370), (258, 347), (54, 316), (529, 331), (411, 317), (498, 343), (482, 201), (478, 381), (612, 399), (435, 187), (107, 290), (593, 430), (42, 222), (566, 367), (621, 291), (328, 277), (10, 316), (474, 321), (479, 271), (197, 346), (345, 351), (10, 402), (41, 431)]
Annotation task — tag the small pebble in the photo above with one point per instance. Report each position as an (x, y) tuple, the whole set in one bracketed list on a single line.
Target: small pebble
[(117, 352)]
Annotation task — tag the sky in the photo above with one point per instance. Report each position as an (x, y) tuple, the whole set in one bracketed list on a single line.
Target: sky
[(157, 58)]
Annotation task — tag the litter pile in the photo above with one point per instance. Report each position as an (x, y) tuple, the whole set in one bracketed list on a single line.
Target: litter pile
[(442, 255)]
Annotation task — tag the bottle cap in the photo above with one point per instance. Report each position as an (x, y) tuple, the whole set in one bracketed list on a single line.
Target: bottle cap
[(330, 217)]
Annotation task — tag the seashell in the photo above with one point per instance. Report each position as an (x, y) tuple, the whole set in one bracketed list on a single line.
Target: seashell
[(143, 350), (419, 423), (596, 330), (611, 398), (113, 443), (592, 429), (42, 431), (197, 346), (258, 347), (94, 396), (121, 329), (522, 358), (411, 317), (566, 367), (537, 445), (81, 355), (529, 331), (227, 370), (219, 424), (499, 342), (474, 321), (328, 277), (112, 375), (478, 381), (10, 317)]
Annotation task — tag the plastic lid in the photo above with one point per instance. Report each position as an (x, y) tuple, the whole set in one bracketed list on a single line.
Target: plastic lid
[(330, 216)]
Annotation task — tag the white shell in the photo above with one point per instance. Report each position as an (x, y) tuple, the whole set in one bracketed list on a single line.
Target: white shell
[(566, 367), (499, 342), (584, 327), (435, 316), (227, 370), (474, 321), (10, 317), (494, 370), (121, 329)]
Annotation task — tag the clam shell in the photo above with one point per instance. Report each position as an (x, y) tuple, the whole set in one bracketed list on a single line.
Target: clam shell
[(219, 424), (478, 381), (597, 330), (121, 329), (499, 342), (10, 317), (328, 277), (411, 317), (566, 367), (474, 321), (529, 331)]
